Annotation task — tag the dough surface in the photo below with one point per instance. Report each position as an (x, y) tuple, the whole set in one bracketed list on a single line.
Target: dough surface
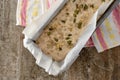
[(61, 35)]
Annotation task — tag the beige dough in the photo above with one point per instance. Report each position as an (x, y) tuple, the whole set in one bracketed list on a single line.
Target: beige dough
[(61, 35)]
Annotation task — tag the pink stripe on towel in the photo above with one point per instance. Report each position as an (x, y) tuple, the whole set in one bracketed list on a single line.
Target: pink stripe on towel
[(89, 43), (101, 39), (23, 12), (116, 17), (48, 4)]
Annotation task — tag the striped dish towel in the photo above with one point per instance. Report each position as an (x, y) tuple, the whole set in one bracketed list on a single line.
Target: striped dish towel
[(108, 34), (105, 37), (28, 10)]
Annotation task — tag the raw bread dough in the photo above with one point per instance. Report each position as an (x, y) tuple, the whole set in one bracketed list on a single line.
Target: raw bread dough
[(61, 35)]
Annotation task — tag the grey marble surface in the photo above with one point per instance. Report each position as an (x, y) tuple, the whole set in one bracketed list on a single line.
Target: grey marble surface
[(16, 63)]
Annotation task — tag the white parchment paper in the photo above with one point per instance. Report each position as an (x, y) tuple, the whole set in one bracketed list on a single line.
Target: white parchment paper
[(32, 32)]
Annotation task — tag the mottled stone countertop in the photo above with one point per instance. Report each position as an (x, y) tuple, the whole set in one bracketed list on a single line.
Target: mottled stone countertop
[(16, 63)]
